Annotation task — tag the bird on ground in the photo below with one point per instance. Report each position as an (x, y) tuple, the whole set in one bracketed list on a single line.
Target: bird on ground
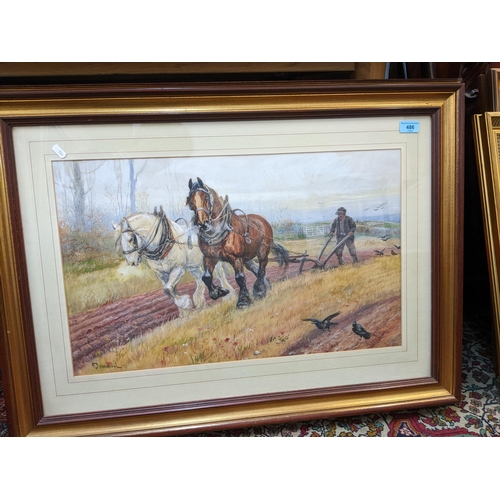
[(393, 252), (379, 252), (398, 247), (359, 330), (324, 324)]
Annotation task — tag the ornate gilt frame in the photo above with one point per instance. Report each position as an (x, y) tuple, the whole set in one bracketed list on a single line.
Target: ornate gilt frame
[(441, 101)]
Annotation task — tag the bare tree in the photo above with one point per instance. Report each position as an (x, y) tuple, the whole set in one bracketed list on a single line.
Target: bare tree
[(133, 175), (121, 204), (77, 183), (79, 194)]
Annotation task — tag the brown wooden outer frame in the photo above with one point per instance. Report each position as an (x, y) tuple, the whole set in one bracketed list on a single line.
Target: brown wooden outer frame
[(123, 71), (441, 100), (489, 90)]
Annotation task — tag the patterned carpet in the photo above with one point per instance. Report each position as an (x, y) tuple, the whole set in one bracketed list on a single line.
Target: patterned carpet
[(477, 414), (4, 431)]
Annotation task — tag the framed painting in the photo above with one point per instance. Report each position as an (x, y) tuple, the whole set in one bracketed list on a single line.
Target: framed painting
[(486, 129), (205, 256)]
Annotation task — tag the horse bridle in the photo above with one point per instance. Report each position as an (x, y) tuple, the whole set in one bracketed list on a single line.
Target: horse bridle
[(164, 245), (225, 216), (196, 187)]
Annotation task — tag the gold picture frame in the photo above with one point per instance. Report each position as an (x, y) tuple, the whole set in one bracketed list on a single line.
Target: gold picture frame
[(486, 129), (41, 125)]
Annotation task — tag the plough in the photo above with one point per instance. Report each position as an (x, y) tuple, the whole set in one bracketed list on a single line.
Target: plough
[(318, 263)]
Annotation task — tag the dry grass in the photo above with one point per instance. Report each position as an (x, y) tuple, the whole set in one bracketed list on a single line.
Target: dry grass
[(87, 291), (224, 333), (90, 290)]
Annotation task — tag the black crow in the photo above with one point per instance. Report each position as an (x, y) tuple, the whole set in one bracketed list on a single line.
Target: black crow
[(379, 252), (323, 324), (359, 330), (398, 247)]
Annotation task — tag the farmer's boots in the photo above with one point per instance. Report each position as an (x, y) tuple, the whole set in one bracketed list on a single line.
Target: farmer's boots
[(341, 259)]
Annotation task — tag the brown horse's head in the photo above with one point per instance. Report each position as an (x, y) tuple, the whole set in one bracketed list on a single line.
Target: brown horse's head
[(200, 201)]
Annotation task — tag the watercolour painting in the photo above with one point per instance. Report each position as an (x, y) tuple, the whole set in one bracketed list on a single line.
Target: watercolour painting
[(133, 263)]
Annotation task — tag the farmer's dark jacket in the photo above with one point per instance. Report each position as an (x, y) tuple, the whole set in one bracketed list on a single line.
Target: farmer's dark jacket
[(341, 229)]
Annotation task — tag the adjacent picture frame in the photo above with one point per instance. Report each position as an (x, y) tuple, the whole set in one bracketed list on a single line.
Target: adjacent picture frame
[(486, 130), (250, 123), (489, 91)]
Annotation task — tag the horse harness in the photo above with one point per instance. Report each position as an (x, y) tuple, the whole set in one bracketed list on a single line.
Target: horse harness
[(225, 218), (162, 227)]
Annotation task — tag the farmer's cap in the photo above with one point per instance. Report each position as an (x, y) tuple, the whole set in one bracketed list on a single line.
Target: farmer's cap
[(341, 210)]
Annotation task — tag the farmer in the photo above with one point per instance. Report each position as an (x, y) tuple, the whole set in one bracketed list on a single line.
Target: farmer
[(343, 226)]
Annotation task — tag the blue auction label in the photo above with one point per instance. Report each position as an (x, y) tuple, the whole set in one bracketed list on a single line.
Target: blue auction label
[(409, 127)]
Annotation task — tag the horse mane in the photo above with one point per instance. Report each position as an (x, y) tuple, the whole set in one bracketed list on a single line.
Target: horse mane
[(222, 201)]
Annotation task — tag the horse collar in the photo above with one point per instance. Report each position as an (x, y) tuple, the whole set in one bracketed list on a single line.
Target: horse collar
[(225, 227)]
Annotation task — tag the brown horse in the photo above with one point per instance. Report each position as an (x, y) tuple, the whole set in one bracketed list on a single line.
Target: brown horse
[(236, 239)]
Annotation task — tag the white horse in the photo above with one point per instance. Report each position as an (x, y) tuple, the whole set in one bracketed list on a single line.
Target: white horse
[(170, 250)]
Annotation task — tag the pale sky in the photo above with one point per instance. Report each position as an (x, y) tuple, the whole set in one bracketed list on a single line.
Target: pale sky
[(306, 187)]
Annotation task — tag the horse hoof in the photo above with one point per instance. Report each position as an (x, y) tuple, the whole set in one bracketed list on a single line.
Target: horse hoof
[(260, 290), (217, 293), (243, 302)]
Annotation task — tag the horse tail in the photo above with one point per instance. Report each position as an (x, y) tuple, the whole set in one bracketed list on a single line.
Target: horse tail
[(281, 253)]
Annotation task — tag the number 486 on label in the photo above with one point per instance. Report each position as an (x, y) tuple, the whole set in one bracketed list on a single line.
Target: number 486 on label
[(409, 127)]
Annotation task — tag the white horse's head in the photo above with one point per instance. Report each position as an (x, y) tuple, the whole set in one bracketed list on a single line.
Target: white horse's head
[(128, 241), (144, 235)]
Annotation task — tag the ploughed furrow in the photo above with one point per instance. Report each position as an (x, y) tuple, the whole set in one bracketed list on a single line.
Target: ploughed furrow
[(117, 323)]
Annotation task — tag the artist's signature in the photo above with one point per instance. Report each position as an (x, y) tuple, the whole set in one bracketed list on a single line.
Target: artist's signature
[(98, 366)]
